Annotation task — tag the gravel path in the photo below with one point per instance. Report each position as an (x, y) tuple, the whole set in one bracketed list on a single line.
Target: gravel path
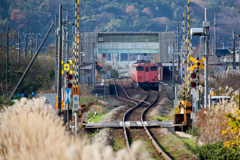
[(160, 107), (104, 138), (109, 116)]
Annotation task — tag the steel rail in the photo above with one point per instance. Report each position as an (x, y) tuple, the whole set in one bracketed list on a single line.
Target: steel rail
[(124, 127), (156, 146), (132, 97)]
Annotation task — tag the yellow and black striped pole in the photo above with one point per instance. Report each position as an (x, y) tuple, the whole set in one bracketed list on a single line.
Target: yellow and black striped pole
[(78, 49), (188, 59), (183, 62), (75, 46)]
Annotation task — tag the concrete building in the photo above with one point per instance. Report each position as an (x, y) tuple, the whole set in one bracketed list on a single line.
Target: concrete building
[(122, 48)]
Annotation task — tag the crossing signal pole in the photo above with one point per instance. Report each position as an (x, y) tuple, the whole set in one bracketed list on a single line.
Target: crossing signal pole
[(59, 61), (206, 25)]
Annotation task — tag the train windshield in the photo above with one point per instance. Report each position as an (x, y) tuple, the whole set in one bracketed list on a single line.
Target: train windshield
[(139, 68), (147, 69), (153, 68)]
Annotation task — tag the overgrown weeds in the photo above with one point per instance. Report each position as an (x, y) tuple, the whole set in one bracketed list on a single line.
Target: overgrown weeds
[(32, 130), (209, 121), (216, 151)]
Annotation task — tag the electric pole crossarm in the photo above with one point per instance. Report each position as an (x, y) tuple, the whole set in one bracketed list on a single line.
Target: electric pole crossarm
[(30, 64)]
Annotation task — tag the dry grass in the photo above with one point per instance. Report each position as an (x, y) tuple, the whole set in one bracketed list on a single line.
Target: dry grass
[(84, 90), (225, 79), (99, 109), (209, 121), (32, 130)]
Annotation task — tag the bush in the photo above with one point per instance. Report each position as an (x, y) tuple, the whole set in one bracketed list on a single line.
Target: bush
[(5, 101), (232, 132), (209, 121), (193, 131), (216, 151)]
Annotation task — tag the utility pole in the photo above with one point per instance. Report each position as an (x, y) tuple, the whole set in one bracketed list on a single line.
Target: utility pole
[(37, 42), (173, 70), (56, 52), (206, 25), (67, 38), (25, 46), (234, 58), (59, 61), (7, 69), (178, 56), (31, 45), (18, 48), (31, 62), (215, 32)]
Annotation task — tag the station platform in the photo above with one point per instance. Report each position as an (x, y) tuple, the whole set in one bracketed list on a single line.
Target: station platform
[(119, 124)]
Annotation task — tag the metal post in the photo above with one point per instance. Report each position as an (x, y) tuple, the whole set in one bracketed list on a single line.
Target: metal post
[(75, 115), (234, 58), (63, 56), (176, 92), (105, 77), (7, 59), (31, 62), (79, 37), (25, 47), (18, 48), (37, 42), (59, 60), (215, 32), (198, 100), (188, 56), (31, 44), (183, 57), (239, 98), (80, 51), (178, 56), (56, 53), (206, 26), (173, 70), (93, 72), (210, 101)]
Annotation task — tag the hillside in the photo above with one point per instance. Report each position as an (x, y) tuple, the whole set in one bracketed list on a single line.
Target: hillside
[(119, 15)]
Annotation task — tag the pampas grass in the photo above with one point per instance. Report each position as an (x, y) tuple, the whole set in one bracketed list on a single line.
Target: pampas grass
[(32, 130), (209, 121)]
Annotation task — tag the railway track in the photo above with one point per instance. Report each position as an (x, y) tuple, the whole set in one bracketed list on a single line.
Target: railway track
[(136, 113)]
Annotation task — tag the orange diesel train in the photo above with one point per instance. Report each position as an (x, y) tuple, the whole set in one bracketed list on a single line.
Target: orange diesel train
[(145, 74)]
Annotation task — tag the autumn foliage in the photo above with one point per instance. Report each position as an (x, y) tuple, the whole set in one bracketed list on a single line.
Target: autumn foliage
[(162, 20), (18, 17), (148, 11), (132, 11)]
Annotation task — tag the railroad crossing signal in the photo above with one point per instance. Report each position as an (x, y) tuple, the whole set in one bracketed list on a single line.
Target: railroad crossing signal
[(197, 63), (77, 39), (66, 67)]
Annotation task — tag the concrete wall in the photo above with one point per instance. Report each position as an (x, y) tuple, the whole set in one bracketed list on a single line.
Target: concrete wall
[(89, 42), (165, 39), (128, 45)]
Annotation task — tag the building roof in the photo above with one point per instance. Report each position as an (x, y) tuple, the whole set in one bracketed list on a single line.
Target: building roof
[(222, 52), (199, 53)]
